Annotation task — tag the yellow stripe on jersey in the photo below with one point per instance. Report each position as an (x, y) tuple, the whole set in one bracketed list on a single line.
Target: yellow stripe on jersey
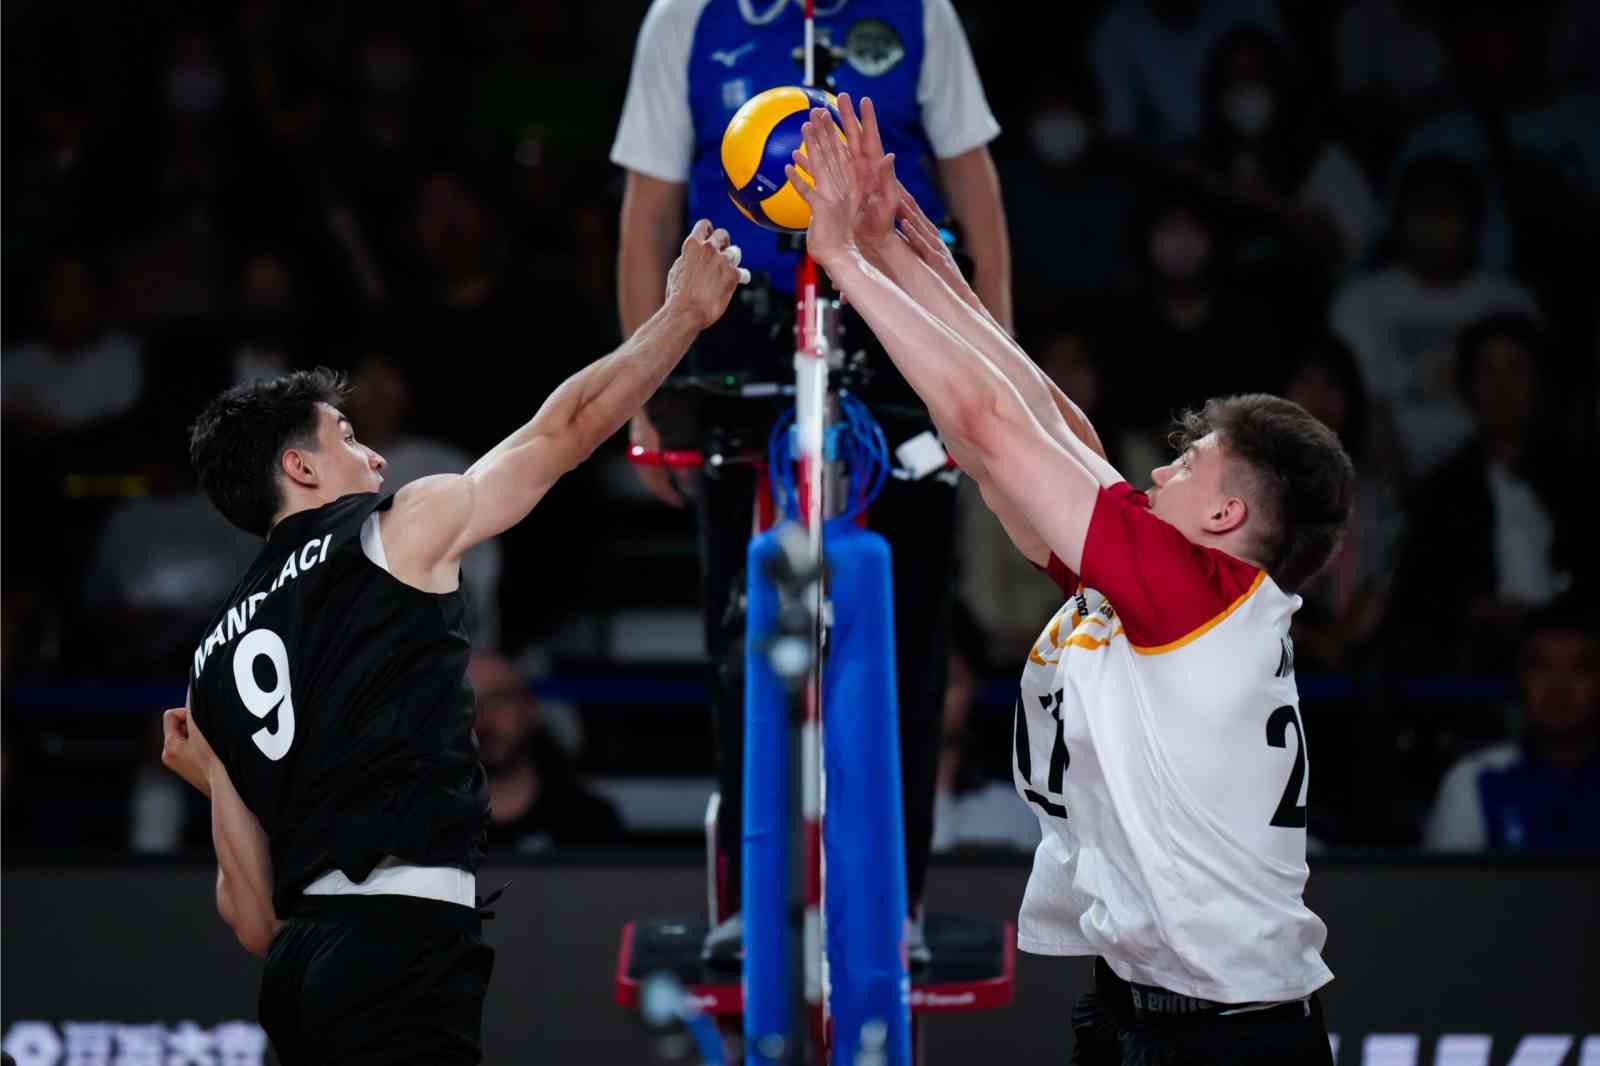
[(1200, 631)]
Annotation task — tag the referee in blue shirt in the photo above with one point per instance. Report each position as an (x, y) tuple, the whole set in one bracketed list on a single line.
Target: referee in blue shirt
[(695, 63)]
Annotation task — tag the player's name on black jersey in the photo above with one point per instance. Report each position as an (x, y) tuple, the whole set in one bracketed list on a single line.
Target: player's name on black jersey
[(237, 620)]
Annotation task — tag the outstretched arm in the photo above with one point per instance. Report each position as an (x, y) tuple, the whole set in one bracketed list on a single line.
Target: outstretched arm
[(915, 258), (974, 405), (434, 520)]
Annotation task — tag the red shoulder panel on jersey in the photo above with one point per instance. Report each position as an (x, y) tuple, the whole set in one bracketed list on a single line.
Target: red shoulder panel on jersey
[(1060, 573), (1166, 589)]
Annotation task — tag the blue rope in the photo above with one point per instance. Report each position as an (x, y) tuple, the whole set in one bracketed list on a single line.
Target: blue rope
[(857, 440)]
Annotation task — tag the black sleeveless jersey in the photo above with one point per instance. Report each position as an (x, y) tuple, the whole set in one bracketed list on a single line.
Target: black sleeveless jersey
[(336, 697)]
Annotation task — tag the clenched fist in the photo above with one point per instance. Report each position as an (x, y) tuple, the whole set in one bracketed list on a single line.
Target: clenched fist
[(184, 750), (701, 281)]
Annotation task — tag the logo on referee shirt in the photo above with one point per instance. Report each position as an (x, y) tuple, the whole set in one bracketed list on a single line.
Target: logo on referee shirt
[(873, 47)]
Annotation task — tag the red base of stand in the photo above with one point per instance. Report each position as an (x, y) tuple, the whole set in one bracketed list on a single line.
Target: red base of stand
[(974, 965)]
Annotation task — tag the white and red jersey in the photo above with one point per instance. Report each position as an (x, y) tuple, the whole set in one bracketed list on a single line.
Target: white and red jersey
[(1158, 738)]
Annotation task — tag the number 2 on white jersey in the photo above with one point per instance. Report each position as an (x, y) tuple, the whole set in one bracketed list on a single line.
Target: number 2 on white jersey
[(1291, 812), (258, 701)]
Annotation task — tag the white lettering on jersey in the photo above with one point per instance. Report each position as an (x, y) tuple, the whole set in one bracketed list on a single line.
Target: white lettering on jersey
[(240, 615), (288, 573), (238, 620)]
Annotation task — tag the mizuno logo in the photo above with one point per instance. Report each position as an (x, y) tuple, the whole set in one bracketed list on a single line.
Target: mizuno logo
[(728, 59)]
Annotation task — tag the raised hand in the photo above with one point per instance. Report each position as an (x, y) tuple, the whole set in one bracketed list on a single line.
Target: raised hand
[(702, 279), (872, 170), (831, 192)]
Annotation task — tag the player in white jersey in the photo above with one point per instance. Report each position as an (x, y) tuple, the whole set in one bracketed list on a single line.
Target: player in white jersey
[(1158, 734)]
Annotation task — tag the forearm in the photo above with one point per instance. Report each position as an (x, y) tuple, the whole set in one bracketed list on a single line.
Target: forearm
[(591, 405), (955, 382), (964, 314), (244, 867)]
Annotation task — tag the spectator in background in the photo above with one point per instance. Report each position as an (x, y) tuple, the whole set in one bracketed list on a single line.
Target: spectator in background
[(61, 186), (1347, 603), (1075, 192), (1393, 70), (1541, 790), (387, 145), (381, 406), (1495, 530), (172, 266), (476, 308), (1150, 58), (157, 564), (1534, 148), (535, 797), (76, 371), (1403, 320), (971, 806), (473, 304), (1302, 199), (269, 338), (1196, 335)]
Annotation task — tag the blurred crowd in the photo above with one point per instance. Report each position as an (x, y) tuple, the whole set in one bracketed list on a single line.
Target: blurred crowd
[(1382, 209)]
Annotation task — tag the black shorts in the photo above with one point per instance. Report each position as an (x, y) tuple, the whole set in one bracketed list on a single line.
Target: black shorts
[(376, 979), (1107, 1030)]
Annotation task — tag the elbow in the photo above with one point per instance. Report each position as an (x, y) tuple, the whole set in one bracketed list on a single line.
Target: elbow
[(582, 437), (256, 937), (254, 929), (975, 417)]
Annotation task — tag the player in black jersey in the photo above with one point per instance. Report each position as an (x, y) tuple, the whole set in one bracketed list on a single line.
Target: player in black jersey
[(329, 718)]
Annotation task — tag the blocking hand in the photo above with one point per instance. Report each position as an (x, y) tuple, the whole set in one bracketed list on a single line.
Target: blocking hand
[(702, 279), (873, 170), (832, 194)]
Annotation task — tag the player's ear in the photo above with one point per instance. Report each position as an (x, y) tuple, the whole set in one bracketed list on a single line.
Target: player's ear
[(297, 466), (1228, 514)]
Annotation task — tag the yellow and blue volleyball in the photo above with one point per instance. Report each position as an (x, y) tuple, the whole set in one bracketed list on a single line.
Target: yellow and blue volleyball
[(756, 146)]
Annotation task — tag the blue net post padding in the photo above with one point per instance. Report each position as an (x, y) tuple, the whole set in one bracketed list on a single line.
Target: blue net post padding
[(863, 834), (764, 881)]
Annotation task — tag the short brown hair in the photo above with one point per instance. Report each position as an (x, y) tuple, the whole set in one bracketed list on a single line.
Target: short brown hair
[(238, 439), (1293, 471)]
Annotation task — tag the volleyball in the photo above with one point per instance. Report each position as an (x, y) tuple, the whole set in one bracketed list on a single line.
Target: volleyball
[(756, 146)]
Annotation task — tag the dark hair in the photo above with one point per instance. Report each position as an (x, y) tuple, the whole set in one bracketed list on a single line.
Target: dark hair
[(237, 441), (1299, 480), (1512, 325)]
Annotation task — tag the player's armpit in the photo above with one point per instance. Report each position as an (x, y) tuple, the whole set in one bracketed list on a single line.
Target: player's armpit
[(421, 527)]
